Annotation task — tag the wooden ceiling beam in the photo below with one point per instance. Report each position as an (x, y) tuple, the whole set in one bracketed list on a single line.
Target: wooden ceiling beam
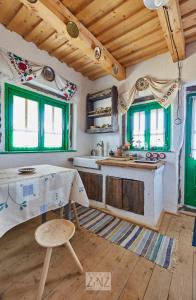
[(174, 15), (53, 12)]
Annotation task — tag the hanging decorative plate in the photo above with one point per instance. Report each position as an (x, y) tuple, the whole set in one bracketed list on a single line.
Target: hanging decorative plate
[(141, 84), (48, 73), (32, 1), (72, 29), (115, 69), (97, 52)]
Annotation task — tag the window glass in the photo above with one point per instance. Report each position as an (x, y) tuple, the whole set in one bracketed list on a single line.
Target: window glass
[(53, 126), (138, 129), (157, 127), (25, 123)]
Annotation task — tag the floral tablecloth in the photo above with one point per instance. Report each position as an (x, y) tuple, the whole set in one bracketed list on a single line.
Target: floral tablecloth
[(23, 197)]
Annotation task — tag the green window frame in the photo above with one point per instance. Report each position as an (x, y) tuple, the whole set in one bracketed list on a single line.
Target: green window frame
[(10, 92), (146, 108)]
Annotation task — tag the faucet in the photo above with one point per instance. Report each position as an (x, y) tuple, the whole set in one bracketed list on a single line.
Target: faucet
[(101, 144)]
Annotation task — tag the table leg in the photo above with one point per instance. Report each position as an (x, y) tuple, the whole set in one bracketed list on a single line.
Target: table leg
[(67, 211), (43, 217), (62, 212)]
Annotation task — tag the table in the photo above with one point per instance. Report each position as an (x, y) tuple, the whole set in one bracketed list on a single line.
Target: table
[(23, 197)]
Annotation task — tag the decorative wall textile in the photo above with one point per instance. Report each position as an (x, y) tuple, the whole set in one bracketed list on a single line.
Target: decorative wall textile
[(21, 70), (164, 92), (67, 88), (25, 69)]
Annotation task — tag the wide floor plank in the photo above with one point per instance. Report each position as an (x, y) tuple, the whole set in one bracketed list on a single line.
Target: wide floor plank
[(133, 277)]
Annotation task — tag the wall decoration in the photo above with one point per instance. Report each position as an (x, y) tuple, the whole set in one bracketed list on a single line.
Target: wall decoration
[(32, 1), (48, 73), (22, 70), (72, 29), (141, 84), (164, 91), (25, 69), (97, 52)]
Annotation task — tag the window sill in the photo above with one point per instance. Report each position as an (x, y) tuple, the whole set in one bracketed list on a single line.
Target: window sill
[(44, 151)]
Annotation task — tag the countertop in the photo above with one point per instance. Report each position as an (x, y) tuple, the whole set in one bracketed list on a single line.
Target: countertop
[(129, 164)]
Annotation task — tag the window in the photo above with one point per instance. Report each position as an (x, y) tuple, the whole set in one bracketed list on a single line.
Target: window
[(34, 122), (148, 127)]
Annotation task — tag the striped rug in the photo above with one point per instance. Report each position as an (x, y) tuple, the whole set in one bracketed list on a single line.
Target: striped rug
[(152, 245)]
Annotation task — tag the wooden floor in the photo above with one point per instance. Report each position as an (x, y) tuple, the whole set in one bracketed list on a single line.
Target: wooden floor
[(133, 277)]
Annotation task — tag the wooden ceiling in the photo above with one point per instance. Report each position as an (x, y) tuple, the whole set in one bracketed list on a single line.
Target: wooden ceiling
[(125, 30)]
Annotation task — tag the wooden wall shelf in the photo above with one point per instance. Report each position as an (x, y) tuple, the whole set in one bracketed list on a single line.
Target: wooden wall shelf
[(111, 93), (100, 115)]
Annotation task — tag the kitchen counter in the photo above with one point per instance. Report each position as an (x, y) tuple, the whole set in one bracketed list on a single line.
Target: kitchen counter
[(129, 189), (129, 164)]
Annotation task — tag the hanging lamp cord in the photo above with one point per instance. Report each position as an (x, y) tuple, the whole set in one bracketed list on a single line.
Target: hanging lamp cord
[(178, 120)]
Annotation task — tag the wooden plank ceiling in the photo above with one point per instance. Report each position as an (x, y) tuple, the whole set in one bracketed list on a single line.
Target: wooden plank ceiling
[(126, 29)]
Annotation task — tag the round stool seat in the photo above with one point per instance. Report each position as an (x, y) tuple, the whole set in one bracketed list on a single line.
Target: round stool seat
[(54, 233)]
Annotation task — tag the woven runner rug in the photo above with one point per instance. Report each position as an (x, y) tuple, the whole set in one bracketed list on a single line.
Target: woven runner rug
[(152, 245)]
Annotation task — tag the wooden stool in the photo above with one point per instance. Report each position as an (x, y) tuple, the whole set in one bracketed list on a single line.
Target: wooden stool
[(52, 234)]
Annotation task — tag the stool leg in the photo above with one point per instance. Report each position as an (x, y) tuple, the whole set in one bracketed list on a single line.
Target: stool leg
[(44, 273), (74, 256), (76, 215)]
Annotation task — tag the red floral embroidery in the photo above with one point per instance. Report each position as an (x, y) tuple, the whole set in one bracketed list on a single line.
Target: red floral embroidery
[(22, 66)]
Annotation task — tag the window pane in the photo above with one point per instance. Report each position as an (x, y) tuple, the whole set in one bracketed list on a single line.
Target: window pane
[(25, 123), (157, 127), (25, 139), (18, 113), (53, 126), (32, 115), (139, 129)]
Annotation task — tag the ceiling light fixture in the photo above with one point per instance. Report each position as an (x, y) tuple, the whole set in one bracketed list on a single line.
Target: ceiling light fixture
[(155, 4)]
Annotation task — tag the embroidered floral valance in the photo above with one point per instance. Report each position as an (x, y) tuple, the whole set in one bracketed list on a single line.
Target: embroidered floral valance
[(23, 70), (164, 92)]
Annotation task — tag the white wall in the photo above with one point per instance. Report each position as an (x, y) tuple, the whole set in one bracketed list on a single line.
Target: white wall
[(160, 67), (15, 43)]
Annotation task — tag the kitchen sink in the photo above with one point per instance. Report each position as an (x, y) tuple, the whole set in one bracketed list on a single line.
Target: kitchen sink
[(87, 161)]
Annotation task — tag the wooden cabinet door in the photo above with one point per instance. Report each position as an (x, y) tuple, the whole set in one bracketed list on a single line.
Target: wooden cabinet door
[(93, 184), (114, 191), (133, 196)]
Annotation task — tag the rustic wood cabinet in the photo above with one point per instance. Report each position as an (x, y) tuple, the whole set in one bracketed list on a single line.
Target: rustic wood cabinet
[(93, 184), (133, 196), (125, 194), (114, 190)]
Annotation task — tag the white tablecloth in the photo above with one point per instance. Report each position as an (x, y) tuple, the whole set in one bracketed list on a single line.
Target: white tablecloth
[(23, 197)]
